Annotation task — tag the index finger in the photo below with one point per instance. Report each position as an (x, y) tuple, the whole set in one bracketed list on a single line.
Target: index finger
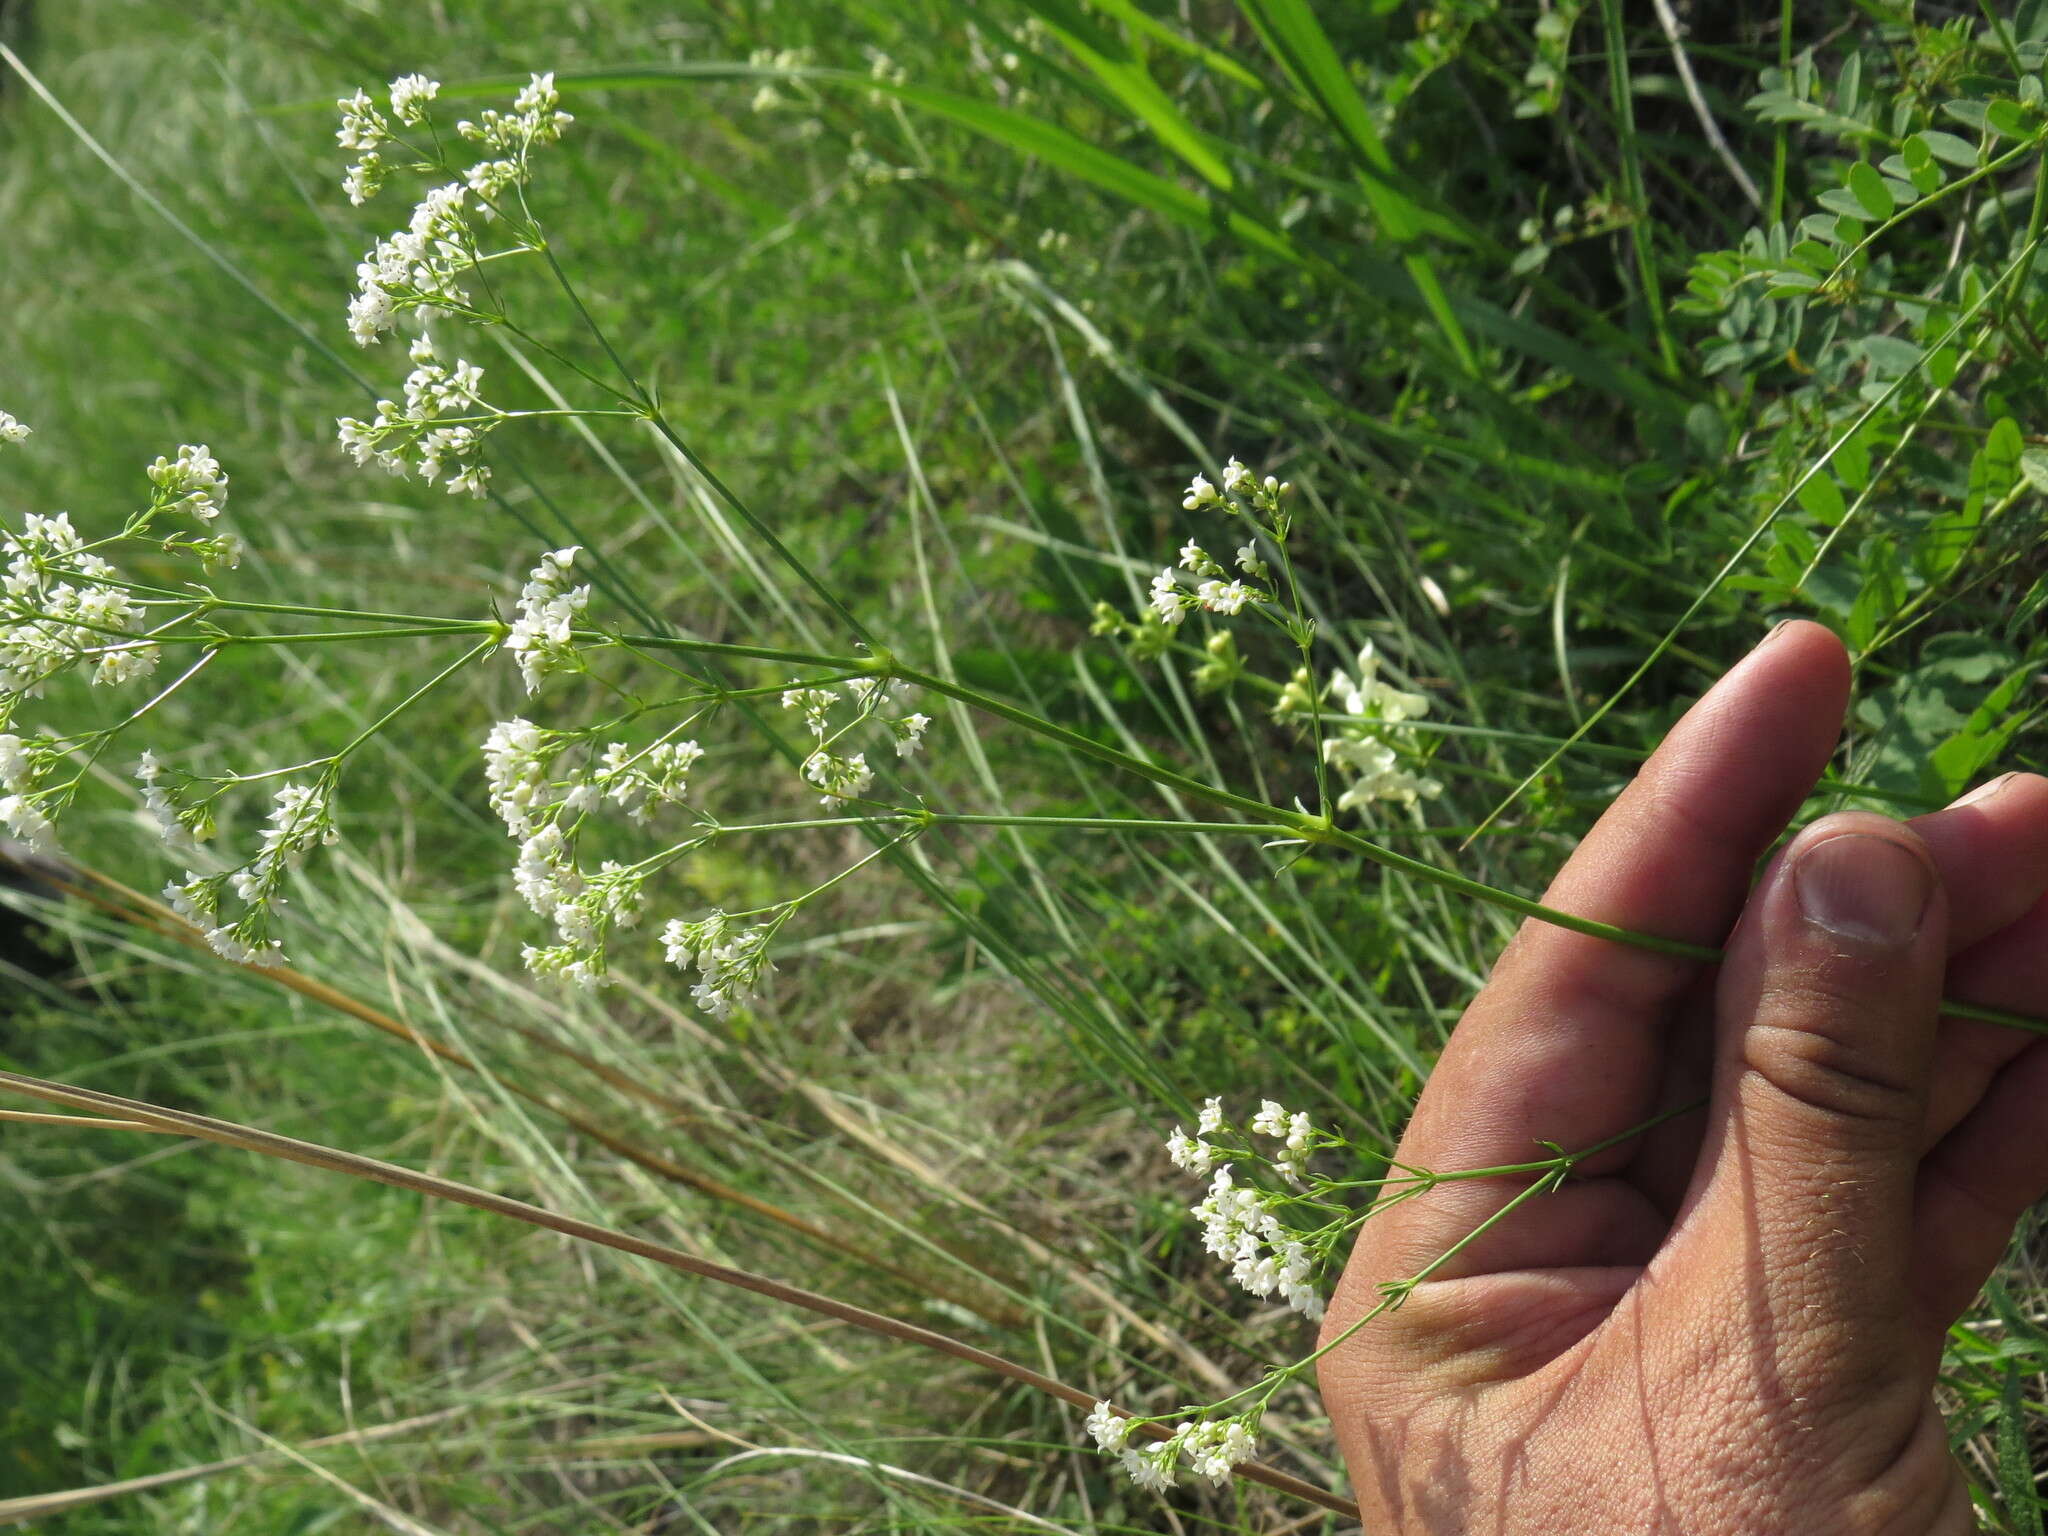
[(1566, 1041)]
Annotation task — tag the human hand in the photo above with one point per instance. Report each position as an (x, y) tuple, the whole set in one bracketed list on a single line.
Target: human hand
[(1733, 1323)]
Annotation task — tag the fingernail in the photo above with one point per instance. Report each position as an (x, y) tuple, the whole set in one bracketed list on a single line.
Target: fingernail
[(1986, 791), (1773, 632), (1865, 888)]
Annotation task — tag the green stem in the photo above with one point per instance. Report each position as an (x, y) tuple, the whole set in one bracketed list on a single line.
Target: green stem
[(453, 667), (1293, 825), (1621, 93)]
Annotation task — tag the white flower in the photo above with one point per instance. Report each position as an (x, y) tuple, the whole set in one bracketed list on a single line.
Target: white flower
[(1201, 494), (54, 623), (816, 703), (542, 874), (197, 900), (414, 268), (639, 780), (1211, 1120), (409, 97), (542, 633), (1294, 1285), (872, 692), (1213, 1449), (12, 431), (516, 758), (536, 118), (221, 552), (27, 821), (363, 180), (1196, 1157), (1249, 562), (1223, 596), (1168, 600), (909, 731), (363, 127), (21, 764), (488, 179), (158, 802), (191, 483), (841, 778), (1109, 1429), (301, 816), (1236, 478), (1150, 1470), (230, 945)]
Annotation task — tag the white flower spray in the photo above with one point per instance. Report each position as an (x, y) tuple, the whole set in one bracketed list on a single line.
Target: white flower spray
[(1361, 727)]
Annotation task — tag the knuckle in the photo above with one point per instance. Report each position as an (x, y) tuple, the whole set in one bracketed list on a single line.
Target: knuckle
[(1837, 1076)]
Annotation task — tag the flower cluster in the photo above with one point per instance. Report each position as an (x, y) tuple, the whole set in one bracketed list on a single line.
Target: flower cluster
[(536, 118), (585, 909), (542, 635), (415, 437), (365, 131), (301, 818), (729, 964), (415, 268), (59, 611), (24, 765), (180, 826), (788, 62), (1241, 1223), (192, 483), (1214, 590), (545, 814), (656, 775), (1364, 746), (1240, 1227), (1243, 494), (1212, 1447), (519, 760), (846, 776)]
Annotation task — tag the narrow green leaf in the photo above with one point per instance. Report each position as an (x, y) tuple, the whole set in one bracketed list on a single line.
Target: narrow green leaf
[(1125, 78), (1297, 40), (1068, 152), (1139, 20)]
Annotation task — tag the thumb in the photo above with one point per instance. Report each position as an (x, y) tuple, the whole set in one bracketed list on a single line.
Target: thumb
[(1826, 1013)]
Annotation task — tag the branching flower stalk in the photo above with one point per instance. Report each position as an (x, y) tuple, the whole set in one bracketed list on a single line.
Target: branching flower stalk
[(1281, 1227), (546, 642)]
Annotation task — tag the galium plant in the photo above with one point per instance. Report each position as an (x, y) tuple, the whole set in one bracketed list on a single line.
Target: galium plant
[(624, 712)]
